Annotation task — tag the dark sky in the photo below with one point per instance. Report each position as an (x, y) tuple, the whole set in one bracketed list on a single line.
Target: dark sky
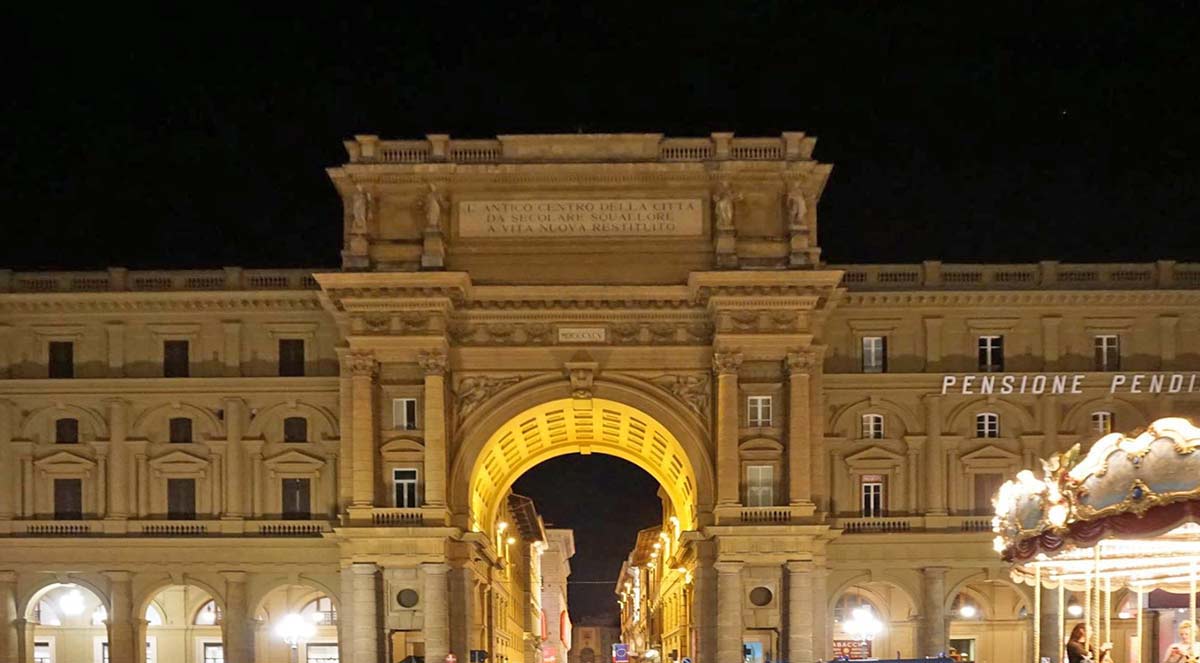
[(966, 131), (962, 131), (606, 501)]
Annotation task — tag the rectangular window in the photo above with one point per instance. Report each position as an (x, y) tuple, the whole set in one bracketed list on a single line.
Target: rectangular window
[(405, 482), (760, 485), (1102, 422), (986, 486), (987, 424), (175, 359), (42, 653), (991, 354), (62, 359), (105, 656), (1108, 352), (66, 431), (214, 653), (872, 426), (321, 653), (404, 413), (874, 354), (181, 430), (68, 499), (295, 429), (872, 496), (296, 504), (758, 411), (291, 357), (181, 499)]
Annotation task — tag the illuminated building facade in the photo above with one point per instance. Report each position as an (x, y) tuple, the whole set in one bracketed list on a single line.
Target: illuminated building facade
[(827, 436)]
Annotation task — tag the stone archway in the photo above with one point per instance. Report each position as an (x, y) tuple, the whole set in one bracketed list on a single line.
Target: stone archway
[(620, 420)]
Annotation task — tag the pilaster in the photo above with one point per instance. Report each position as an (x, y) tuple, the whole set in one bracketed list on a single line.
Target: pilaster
[(365, 647), (730, 624), (7, 493), (122, 635), (799, 453), (436, 611), (364, 370), (235, 459), (232, 346), (1050, 341), (433, 365), (115, 336), (9, 637), (800, 612), (934, 456), (237, 627), (726, 365), (118, 460)]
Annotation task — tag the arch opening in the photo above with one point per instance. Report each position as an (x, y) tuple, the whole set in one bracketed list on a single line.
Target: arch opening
[(69, 623), (583, 426)]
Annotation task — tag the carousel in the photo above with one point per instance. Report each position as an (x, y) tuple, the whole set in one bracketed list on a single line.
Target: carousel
[(1124, 518)]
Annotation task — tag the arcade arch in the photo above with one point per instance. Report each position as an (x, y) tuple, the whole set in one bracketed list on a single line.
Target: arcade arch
[(512, 442)]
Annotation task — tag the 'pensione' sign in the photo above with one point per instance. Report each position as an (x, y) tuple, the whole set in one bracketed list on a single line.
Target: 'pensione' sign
[(1070, 383)]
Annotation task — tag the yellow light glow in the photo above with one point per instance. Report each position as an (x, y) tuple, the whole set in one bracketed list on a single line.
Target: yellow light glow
[(510, 540), (501, 526)]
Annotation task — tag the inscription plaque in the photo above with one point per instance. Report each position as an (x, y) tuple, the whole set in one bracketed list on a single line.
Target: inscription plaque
[(581, 218), (582, 335)]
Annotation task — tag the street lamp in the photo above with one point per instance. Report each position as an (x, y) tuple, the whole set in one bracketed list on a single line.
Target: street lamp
[(863, 623), (295, 629)]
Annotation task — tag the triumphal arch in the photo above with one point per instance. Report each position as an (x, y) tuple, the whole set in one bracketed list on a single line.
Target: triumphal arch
[(585, 294), (188, 457)]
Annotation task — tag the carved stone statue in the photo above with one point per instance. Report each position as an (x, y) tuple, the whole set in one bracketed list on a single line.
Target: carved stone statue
[(723, 202), (433, 204), (797, 207), (474, 390), (361, 210)]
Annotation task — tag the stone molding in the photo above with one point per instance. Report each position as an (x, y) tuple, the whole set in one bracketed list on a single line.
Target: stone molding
[(432, 363), (727, 363)]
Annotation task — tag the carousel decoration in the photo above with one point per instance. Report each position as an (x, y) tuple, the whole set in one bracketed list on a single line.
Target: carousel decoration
[(1124, 516)]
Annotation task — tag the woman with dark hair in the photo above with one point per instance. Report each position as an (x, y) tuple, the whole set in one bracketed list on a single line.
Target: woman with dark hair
[(1078, 650)]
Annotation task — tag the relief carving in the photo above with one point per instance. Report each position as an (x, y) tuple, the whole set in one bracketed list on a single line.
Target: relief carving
[(727, 363), (361, 363), (473, 390), (693, 390), (432, 363)]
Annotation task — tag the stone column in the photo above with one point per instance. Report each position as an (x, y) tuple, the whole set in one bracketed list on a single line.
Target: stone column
[(365, 647), (437, 613), (1049, 425), (822, 639), (237, 625), (118, 466), (799, 432), (9, 638), (726, 365), (123, 644), (914, 463), (235, 460), (839, 498), (143, 483), (26, 459), (7, 493), (1049, 644), (102, 451), (254, 484), (346, 617), (800, 612), (935, 474), (363, 369), (1050, 343), (816, 425), (434, 366), (954, 484), (729, 612), (704, 611), (932, 637)]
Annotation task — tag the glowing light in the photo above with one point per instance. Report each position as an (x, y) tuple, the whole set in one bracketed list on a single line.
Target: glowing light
[(863, 624), (501, 526), (1057, 515), (657, 545), (99, 616), (1124, 614), (294, 629), (1075, 610), (71, 603), (998, 544), (967, 611), (510, 540)]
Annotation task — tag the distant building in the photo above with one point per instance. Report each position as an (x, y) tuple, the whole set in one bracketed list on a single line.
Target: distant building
[(592, 642)]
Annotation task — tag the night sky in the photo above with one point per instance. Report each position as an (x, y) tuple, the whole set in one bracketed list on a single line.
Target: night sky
[(998, 132)]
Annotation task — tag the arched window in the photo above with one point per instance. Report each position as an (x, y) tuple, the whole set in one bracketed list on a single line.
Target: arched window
[(295, 429), (320, 611), (209, 614), (181, 430), (987, 424), (1102, 422), (872, 426), (66, 431), (965, 607), (852, 606), (153, 616)]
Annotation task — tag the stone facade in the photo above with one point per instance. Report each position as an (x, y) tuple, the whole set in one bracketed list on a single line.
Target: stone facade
[(827, 433)]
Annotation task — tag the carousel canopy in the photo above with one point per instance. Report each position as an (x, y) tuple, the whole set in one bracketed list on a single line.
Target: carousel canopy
[(1128, 511)]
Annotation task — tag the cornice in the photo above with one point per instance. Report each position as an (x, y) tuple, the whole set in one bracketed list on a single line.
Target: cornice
[(181, 302), (1022, 297), (222, 386)]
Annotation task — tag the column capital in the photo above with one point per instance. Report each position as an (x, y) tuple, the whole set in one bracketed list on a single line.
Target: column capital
[(119, 576), (729, 567), (361, 364), (727, 363), (935, 571), (803, 362), (364, 568), (799, 566), (235, 576), (433, 362), (435, 568)]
